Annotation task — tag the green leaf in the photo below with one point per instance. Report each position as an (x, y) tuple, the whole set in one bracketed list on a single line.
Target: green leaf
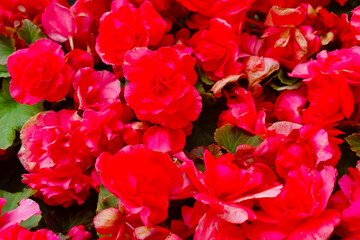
[(199, 87), (198, 152), (30, 32), (4, 71), (12, 202), (230, 138), (354, 142), (12, 199), (285, 79), (13, 115), (280, 88), (280, 81), (31, 222), (106, 200), (7, 47), (203, 77)]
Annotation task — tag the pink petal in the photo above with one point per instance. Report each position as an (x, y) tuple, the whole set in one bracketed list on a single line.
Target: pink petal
[(27, 208), (58, 22)]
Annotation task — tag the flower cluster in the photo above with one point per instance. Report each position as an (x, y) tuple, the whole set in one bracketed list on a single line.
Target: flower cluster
[(181, 119)]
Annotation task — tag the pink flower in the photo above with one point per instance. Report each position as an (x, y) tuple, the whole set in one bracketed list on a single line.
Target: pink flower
[(290, 104), (161, 86), (58, 22), (39, 72), (26, 209), (143, 180), (342, 62)]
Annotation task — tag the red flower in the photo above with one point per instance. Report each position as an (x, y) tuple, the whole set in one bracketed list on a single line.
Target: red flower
[(95, 89), (164, 139), (57, 158), (286, 39), (78, 58), (161, 86), (126, 27), (65, 185), (242, 112), (332, 80), (102, 131), (217, 54), (330, 98), (347, 201), (229, 189), (142, 179), (39, 72), (20, 233), (159, 5), (79, 233), (231, 11), (299, 210), (46, 141), (289, 146)]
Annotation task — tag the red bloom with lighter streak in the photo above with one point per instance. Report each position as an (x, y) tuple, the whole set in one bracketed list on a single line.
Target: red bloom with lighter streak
[(58, 159)]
